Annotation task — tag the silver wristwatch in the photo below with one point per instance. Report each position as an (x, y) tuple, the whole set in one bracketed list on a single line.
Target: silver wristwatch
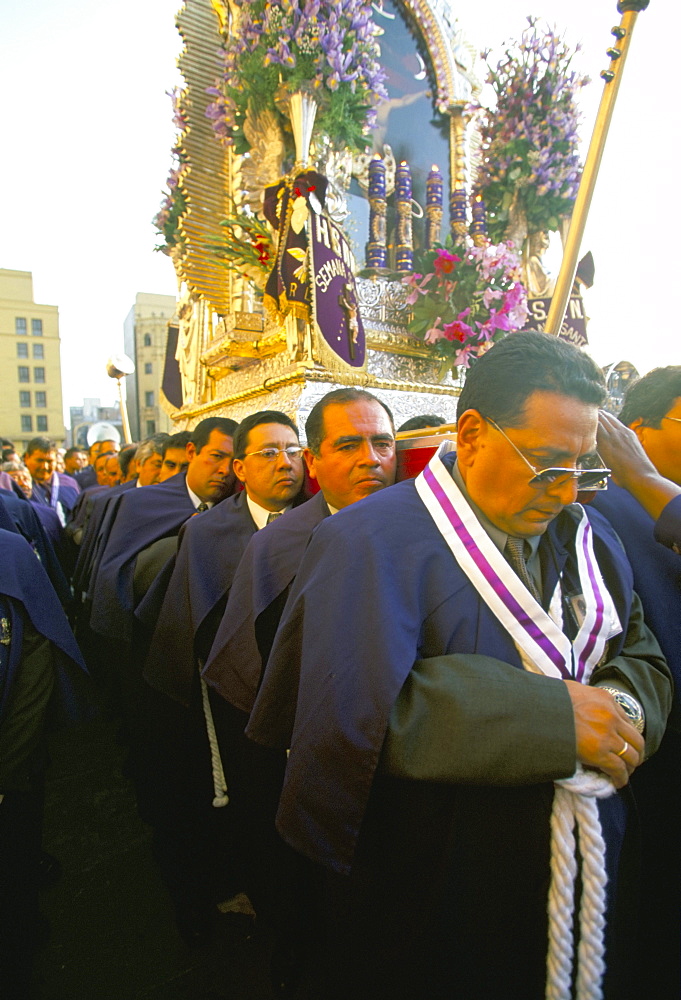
[(631, 707)]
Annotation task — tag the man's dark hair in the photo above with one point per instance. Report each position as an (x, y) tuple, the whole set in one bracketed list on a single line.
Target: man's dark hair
[(500, 382), (74, 451), (125, 457), (107, 455), (40, 444), (203, 430), (179, 440), (417, 423), (253, 420), (314, 425), (650, 398)]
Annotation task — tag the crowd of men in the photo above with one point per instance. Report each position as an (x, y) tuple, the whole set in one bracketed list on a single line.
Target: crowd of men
[(424, 729)]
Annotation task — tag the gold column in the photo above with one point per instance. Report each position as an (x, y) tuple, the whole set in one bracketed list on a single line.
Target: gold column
[(629, 9)]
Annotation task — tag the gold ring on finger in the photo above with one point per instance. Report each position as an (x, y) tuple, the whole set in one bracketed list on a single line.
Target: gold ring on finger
[(623, 750)]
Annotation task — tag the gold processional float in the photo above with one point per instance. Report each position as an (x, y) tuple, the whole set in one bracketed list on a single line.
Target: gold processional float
[(309, 250)]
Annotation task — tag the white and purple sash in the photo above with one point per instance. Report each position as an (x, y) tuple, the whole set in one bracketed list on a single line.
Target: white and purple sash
[(537, 634)]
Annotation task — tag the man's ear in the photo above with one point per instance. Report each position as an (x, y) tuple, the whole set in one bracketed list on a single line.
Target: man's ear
[(310, 463), (239, 469), (470, 430), (191, 450), (639, 428)]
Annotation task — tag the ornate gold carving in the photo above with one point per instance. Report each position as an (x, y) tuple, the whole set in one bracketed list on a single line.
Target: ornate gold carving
[(205, 175)]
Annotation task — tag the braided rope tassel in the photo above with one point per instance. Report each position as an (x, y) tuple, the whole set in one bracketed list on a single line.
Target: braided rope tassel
[(219, 781), (575, 801), (561, 898), (590, 962)]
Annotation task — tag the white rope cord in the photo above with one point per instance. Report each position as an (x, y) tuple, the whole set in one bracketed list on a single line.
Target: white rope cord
[(575, 802), (219, 781)]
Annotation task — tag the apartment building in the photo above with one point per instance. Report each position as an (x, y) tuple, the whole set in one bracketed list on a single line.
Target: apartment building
[(30, 363), (145, 334)]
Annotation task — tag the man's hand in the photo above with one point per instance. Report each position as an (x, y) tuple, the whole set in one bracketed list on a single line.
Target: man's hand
[(602, 730), (622, 452)]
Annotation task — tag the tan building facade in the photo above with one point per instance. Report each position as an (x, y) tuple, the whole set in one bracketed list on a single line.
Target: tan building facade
[(145, 336), (30, 364)]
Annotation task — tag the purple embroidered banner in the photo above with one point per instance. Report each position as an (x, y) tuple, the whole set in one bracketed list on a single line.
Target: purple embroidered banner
[(334, 296)]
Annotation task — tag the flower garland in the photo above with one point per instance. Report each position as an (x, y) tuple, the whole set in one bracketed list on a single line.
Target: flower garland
[(529, 142), (174, 204), (248, 248), (329, 49), (467, 298)]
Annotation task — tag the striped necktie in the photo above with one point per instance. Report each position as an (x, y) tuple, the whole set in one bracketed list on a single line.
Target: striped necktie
[(273, 515), (515, 555)]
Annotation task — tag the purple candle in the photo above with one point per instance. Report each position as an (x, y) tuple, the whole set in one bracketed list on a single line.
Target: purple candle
[(404, 250), (376, 249), (433, 206)]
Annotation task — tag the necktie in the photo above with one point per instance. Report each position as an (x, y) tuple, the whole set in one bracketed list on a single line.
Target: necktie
[(202, 506), (273, 515), (515, 555)]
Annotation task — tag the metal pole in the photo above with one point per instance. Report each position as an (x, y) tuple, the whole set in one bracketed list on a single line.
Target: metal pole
[(124, 414), (629, 9)]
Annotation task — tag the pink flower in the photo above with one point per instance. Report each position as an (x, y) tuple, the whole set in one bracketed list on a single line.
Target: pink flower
[(498, 320), (435, 333), (463, 357), (412, 281), (444, 262), (457, 331)]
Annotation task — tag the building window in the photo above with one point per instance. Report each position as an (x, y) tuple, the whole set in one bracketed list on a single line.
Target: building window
[(24, 375), (20, 326), (41, 401), (151, 427), (38, 374), (147, 340), (147, 366), (26, 424), (41, 422), (38, 351), (24, 398), (37, 327), (149, 398), (22, 350)]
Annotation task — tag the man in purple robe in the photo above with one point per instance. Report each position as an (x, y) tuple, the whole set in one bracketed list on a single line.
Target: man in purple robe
[(351, 455), (438, 636)]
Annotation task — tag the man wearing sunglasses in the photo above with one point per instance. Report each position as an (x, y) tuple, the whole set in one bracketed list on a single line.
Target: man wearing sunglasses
[(453, 637)]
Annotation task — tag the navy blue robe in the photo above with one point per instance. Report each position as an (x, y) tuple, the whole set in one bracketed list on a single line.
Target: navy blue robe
[(210, 548), (97, 526), (143, 516), (25, 585), (268, 568), (377, 591), (657, 784), (20, 515)]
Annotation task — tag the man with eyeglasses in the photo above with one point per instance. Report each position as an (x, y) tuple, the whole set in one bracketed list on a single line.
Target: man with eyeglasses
[(351, 455), (199, 845), (453, 637), (643, 447)]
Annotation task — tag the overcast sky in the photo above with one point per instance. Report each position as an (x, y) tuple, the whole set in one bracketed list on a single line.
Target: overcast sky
[(87, 135)]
